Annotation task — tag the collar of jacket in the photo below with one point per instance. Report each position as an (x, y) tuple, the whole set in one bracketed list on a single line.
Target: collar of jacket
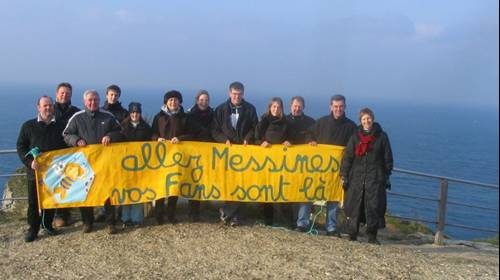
[(113, 106), (52, 119), (91, 113)]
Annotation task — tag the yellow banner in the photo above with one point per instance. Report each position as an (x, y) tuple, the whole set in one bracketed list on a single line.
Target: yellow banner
[(136, 172)]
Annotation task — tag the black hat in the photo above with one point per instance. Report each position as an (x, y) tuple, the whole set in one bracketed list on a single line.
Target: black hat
[(172, 94), (135, 107)]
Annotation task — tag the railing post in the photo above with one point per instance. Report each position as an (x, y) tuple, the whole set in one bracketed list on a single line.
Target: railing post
[(439, 237)]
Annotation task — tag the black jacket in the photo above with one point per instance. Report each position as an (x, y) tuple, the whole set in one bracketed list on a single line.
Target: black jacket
[(179, 125), (203, 119), (142, 132), (368, 173), (300, 128), (117, 110), (329, 130), (64, 112), (46, 137), (271, 129), (222, 130)]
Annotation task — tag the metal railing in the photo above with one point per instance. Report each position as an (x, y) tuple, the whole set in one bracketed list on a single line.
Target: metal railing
[(443, 203), (442, 200)]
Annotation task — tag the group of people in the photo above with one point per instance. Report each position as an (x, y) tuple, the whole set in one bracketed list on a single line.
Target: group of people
[(366, 165)]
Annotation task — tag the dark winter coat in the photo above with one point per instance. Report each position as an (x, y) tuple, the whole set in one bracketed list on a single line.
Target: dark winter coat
[(63, 112), (222, 130), (367, 177), (46, 137), (142, 132), (203, 119), (271, 129), (117, 110), (92, 127), (179, 125), (328, 130), (300, 128)]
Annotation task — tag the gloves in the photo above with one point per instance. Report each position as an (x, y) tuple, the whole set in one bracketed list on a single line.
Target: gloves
[(345, 184), (388, 184)]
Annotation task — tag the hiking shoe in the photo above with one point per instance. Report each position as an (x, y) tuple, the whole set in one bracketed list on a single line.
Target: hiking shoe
[(87, 228), (30, 235), (112, 229), (333, 233), (52, 231), (301, 229), (59, 222), (234, 222)]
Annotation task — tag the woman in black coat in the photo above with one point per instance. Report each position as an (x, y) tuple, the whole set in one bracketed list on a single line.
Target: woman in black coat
[(274, 129), (365, 171)]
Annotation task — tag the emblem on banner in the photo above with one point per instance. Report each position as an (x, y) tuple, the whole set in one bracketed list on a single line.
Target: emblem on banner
[(69, 178)]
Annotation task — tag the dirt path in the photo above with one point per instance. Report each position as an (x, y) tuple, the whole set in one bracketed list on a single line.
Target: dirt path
[(213, 251)]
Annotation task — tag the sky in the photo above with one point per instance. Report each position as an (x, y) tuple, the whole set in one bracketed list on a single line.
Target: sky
[(439, 52)]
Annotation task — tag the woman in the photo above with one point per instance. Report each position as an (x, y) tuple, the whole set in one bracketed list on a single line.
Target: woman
[(274, 129), (135, 128), (365, 171), (170, 124), (202, 114)]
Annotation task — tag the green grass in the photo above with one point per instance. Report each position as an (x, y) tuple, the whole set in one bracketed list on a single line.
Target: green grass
[(408, 227), (493, 240)]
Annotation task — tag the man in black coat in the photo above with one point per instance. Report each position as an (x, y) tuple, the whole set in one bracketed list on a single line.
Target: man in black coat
[(300, 124), (44, 133), (63, 111), (333, 129), (234, 123)]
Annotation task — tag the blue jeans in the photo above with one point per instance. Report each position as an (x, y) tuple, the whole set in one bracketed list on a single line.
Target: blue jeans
[(303, 215), (133, 213), (331, 215)]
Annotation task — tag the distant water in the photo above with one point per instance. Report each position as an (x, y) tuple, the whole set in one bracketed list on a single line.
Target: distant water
[(449, 141)]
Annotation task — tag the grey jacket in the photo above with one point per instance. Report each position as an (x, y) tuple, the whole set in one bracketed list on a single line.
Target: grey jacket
[(92, 127)]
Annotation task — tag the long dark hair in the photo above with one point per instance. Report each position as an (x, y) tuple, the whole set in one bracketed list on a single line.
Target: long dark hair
[(279, 101)]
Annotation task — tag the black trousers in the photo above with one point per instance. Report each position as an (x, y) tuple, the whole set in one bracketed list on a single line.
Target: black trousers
[(286, 210), (171, 207), (88, 214), (34, 217)]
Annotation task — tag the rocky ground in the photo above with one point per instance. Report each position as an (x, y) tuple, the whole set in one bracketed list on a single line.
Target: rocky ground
[(209, 250)]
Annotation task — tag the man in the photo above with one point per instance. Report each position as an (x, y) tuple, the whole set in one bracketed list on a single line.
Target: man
[(44, 133), (234, 123), (91, 126), (112, 105), (63, 108), (333, 129), (63, 111), (301, 125)]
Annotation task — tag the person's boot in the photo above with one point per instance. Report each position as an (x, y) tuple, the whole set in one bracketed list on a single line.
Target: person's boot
[(353, 237), (30, 235), (372, 238), (112, 229), (87, 228)]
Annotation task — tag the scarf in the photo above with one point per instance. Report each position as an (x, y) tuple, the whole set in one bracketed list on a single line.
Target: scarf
[(364, 145)]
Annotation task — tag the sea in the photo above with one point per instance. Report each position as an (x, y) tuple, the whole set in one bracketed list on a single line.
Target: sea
[(447, 140)]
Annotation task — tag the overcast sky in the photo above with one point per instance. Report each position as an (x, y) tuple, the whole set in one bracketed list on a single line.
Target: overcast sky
[(429, 51)]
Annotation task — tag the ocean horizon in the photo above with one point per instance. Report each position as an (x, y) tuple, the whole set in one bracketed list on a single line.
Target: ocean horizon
[(448, 140)]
